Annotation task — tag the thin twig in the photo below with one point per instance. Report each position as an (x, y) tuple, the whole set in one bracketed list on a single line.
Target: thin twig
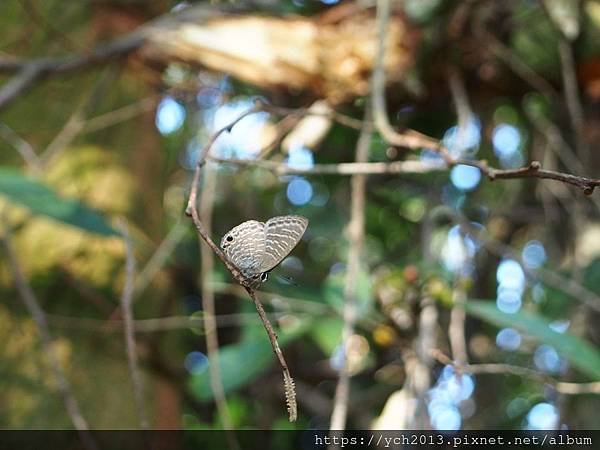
[(342, 119), (356, 235), (456, 330), (65, 136), (160, 257), (462, 107), (126, 302), (414, 140), (572, 98), (23, 147), (342, 169), (29, 71), (456, 327), (159, 324), (192, 211), (516, 64), (39, 316), (378, 91), (119, 115), (77, 120), (549, 277), (207, 199), (508, 369), (290, 392)]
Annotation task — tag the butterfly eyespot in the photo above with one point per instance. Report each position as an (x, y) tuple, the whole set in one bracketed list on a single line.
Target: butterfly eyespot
[(264, 276), (229, 238)]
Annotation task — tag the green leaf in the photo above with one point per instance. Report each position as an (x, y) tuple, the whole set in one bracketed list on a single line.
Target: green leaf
[(578, 351), (327, 333), (591, 278), (40, 199), (243, 362), (333, 291)]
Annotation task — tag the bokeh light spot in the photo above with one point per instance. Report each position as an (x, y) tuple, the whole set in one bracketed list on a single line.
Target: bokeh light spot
[(170, 116), (546, 358), (299, 191), (508, 300), (464, 177), (196, 362), (508, 339), (510, 275), (300, 158), (534, 254), (542, 416)]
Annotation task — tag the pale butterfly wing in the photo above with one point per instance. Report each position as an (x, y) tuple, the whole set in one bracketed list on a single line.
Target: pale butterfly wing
[(244, 246), (282, 234)]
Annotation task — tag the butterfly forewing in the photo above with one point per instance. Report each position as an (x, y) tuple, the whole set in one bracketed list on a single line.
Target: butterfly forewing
[(282, 234), (244, 246)]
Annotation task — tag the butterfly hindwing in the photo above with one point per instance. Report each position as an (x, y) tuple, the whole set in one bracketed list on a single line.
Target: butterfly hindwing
[(282, 234)]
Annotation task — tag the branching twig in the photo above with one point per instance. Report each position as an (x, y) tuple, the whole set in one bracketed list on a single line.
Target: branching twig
[(29, 71), (508, 369), (159, 257), (549, 277), (120, 114), (126, 302), (192, 211), (414, 140), (23, 147), (516, 64)]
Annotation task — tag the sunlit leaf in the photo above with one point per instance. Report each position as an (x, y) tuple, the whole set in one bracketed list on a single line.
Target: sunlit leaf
[(42, 200), (576, 350)]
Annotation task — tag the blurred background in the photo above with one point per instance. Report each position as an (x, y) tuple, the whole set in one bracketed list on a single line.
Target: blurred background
[(421, 296)]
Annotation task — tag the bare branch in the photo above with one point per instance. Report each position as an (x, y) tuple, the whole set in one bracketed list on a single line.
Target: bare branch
[(23, 147), (192, 211), (508, 369), (159, 257), (29, 71), (415, 140), (356, 236), (456, 327), (126, 302), (119, 115), (37, 313), (343, 169), (516, 64), (572, 98), (549, 277), (208, 306)]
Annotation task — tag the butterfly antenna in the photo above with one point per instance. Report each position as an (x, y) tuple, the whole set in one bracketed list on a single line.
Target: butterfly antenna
[(287, 280)]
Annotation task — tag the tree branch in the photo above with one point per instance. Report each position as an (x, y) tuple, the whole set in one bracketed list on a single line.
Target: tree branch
[(29, 71), (192, 211), (356, 236), (208, 307), (39, 317), (415, 140), (508, 369), (126, 302)]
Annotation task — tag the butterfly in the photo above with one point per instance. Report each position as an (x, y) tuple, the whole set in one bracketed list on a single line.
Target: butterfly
[(255, 248)]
